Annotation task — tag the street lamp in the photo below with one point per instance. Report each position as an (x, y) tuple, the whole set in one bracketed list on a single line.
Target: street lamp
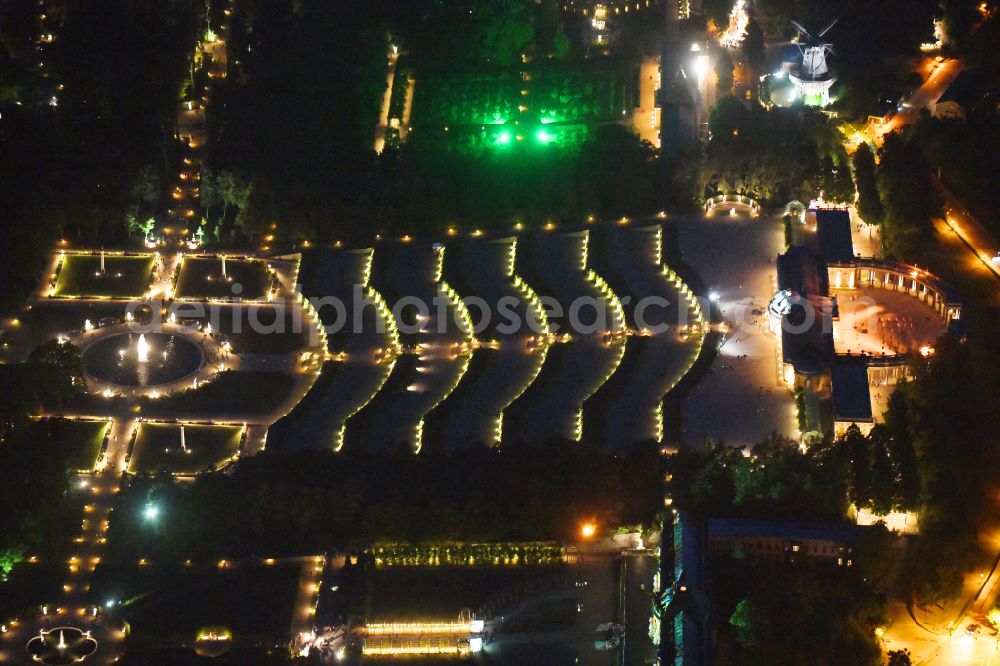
[(151, 512)]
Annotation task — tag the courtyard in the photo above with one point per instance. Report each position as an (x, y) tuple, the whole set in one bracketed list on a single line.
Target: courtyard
[(738, 401), (882, 322)]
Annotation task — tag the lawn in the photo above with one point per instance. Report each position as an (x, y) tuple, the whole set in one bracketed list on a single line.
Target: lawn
[(158, 445), (258, 328), (236, 393), (124, 277), (78, 441), (201, 277), (170, 604), (30, 585)]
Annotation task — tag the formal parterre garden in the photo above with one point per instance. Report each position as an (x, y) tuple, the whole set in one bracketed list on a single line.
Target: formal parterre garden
[(159, 446), (537, 106), (80, 441), (203, 278), (172, 604), (80, 276)]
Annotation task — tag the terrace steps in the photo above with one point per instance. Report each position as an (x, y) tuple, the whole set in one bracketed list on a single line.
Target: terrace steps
[(485, 270), (629, 408), (437, 341), (557, 266), (345, 386)]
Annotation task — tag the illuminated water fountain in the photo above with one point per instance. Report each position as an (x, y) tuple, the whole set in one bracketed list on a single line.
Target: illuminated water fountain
[(61, 646), (142, 349), (143, 360)]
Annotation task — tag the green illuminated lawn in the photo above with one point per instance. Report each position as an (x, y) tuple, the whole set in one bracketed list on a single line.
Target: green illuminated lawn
[(123, 277), (79, 441), (555, 93), (158, 446), (202, 278), (549, 106)]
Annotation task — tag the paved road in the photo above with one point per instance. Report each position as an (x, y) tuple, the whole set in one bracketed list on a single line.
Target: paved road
[(970, 231), (938, 77), (390, 78), (638, 571), (647, 117)]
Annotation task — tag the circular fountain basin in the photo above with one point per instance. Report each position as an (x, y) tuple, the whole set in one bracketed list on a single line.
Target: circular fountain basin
[(115, 360), (61, 646)]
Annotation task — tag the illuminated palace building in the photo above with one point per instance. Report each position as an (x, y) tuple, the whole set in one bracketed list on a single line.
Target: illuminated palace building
[(846, 326)]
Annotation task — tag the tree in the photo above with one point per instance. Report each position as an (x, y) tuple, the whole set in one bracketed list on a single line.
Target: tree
[(858, 449), (910, 197), (959, 17), (869, 202), (724, 72), (899, 658), (225, 188), (745, 620), (941, 410), (551, 33), (883, 476), (902, 452), (145, 192), (502, 30), (9, 557), (62, 355), (754, 49)]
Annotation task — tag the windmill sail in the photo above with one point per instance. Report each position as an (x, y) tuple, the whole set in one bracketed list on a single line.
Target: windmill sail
[(827, 28)]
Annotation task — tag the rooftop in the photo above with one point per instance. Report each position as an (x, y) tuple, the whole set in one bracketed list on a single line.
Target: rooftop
[(851, 395), (833, 229), (780, 529)]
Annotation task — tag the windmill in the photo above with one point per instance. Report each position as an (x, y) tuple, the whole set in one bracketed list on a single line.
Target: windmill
[(813, 79)]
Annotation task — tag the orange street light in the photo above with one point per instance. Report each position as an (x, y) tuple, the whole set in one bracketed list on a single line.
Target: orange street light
[(588, 530)]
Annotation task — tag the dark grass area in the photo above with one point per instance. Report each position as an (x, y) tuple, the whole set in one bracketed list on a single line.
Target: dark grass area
[(158, 447), (201, 277), (124, 277), (48, 319), (139, 655), (286, 431), (80, 441), (405, 593), (255, 329), (233, 393), (402, 374), (436, 421), (30, 585), (170, 604)]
